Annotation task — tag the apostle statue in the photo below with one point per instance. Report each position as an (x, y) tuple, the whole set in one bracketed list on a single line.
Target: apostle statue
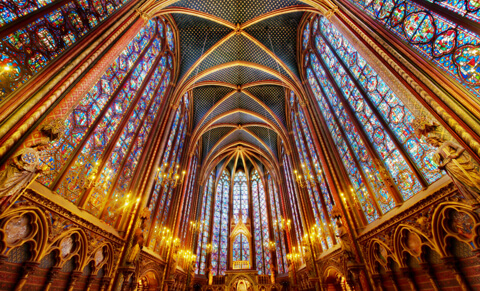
[(138, 239), (24, 166), (451, 157)]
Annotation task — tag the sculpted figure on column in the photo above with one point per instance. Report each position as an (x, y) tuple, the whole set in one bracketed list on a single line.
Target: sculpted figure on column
[(27, 163), (451, 157)]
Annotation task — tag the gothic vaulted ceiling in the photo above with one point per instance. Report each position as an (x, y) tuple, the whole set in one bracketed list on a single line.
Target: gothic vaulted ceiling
[(238, 57)]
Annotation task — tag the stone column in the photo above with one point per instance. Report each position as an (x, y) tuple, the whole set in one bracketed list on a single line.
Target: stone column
[(27, 269), (451, 263), (431, 276), (52, 274), (73, 279)]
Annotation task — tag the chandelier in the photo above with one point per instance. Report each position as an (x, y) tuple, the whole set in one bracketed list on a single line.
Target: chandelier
[(271, 245), (295, 256), (168, 175), (197, 226), (283, 224), (309, 176), (91, 182), (211, 248)]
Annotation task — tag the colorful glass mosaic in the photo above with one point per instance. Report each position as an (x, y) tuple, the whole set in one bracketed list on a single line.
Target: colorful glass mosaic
[(221, 225), (205, 231), (453, 48), (31, 48), (260, 225)]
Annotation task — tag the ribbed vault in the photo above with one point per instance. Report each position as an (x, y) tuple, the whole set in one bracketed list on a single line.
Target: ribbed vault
[(238, 58)]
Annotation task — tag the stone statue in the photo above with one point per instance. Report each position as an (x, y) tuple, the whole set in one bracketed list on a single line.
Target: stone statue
[(27, 163), (452, 158), (210, 275), (19, 172), (345, 241), (138, 238)]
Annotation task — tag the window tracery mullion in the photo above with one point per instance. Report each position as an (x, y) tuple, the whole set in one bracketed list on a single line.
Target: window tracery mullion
[(64, 24), (393, 192), (169, 189), (134, 138), (295, 208), (304, 159), (327, 233), (157, 202), (74, 154), (380, 118), (454, 17), (354, 158)]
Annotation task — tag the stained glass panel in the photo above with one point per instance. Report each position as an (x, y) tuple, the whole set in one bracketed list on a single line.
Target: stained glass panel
[(29, 49), (96, 142), (220, 225), (391, 108), (90, 107), (387, 151), (450, 46), (205, 230)]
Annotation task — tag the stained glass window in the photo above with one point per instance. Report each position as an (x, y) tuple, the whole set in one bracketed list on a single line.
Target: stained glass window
[(29, 49), (205, 230), (165, 183), (90, 107), (107, 131), (220, 225), (241, 245), (241, 248), (313, 175), (170, 38), (240, 197), (276, 215), (292, 198), (189, 201), (389, 147), (260, 225), (449, 45), (377, 135), (91, 144), (391, 108)]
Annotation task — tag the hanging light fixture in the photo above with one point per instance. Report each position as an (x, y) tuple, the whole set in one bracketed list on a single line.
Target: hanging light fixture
[(168, 174)]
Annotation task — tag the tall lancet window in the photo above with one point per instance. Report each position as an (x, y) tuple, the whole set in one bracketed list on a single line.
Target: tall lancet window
[(190, 200), (313, 174), (450, 40), (93, 164), (45, 35), (167, 171), (241, 244), (276, 210), (204, 234), (296, 222), (240, 197), (368, 123), (221, 225), (260, 224)]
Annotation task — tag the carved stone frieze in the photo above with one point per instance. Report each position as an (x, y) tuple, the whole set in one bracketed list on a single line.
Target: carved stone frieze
[(61, 216), (416, 215)]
